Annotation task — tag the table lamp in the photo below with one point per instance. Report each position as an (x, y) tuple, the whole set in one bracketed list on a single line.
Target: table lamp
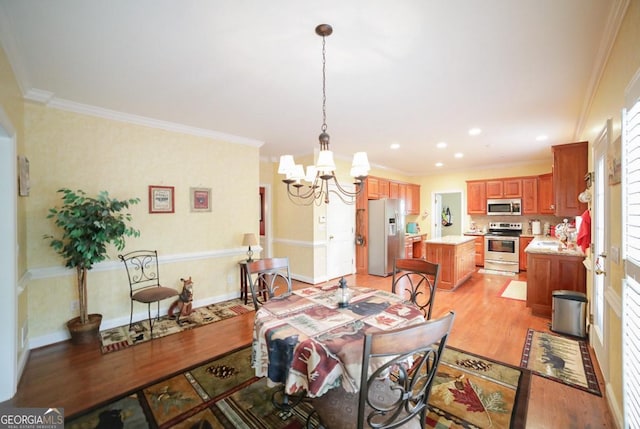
[(249, 240)]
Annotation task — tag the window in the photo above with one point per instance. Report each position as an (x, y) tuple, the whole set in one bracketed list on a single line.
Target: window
[(631, 253)]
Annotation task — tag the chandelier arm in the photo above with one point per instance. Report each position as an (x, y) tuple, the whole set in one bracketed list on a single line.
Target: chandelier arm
[(344, 191)]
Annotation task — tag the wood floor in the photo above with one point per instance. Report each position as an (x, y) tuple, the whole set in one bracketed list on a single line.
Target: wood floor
[(78, 377)]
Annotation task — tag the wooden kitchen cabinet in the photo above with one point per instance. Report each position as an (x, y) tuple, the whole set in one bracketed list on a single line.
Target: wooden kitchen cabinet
[(457, 261), (478, 249), (394, 190), (529, 195), (524, 242), (412, 201), (547, 273), (569, 168), (546, 203), (504, 188), (476, 197), (377, 188), (408, 247)]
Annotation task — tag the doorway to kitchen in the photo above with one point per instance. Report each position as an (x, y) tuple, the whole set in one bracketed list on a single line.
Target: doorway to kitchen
[(446, 213), (340, 230)]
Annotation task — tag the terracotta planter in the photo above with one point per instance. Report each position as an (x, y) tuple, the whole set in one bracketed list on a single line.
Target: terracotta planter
[(86, 333)]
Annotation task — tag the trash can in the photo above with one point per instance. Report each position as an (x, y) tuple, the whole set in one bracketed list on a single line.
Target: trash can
[(569, 313)]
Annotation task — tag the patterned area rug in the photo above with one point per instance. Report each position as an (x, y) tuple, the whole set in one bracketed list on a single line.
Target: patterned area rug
[(515, 289), (121, 337), (470, 392), (561, 359)]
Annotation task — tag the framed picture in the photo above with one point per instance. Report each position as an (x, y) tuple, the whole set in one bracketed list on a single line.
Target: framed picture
[(161, 199), (614, 159), (200, 199)]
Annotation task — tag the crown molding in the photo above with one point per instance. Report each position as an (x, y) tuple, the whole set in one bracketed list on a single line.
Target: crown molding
[(614, 21), (50, 100)]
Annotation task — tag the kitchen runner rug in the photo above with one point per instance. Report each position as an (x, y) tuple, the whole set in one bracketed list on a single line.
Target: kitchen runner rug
[(470, 392), (496, 272), (561, 359), (515, 289), (121, 337)]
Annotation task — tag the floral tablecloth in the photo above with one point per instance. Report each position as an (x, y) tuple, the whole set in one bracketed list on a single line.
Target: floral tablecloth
[(305, 341)]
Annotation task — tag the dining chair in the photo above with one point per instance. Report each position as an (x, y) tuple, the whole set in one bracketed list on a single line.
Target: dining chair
[(144, 281), (417, 281), (398, 369), (267, 278)]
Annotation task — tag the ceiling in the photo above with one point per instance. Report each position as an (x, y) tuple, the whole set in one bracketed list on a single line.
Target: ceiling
[(411, 72)]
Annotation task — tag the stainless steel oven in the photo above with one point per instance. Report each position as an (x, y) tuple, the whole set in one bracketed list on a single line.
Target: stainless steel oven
[(502, 247)]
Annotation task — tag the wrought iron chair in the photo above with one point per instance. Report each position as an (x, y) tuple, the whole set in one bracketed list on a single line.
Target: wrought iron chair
[(144, 281), (416, 280), (395, 393), (267, 278)]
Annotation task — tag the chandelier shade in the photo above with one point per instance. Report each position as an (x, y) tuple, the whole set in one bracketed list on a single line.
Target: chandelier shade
[(320, 175)]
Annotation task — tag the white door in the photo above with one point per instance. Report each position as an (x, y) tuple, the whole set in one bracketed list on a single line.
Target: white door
[(436, 216), (341, 248), (599, 216)]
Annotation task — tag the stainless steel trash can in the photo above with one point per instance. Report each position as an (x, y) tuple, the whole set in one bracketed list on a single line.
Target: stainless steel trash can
[(569, 313)]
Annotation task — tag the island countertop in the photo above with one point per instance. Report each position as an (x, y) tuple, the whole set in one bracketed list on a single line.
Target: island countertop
[(453, 240)]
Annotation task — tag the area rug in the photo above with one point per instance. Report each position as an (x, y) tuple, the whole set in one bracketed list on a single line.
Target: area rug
[(496, 272), (472, 391), (561, 359), (469, 392), (515, 289), (122, 337)]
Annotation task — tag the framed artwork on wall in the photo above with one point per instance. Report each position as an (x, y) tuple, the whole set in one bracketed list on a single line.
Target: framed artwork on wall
[(24, 184), (200, 199), (161, 199)]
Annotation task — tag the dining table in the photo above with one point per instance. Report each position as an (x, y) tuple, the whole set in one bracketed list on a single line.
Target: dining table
[(309, 344)]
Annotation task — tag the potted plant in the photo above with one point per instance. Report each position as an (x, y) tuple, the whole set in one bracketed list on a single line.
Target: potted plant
[(88, 225)]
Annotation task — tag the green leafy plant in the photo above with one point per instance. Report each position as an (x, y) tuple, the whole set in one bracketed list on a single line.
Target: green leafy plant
[(88, 225)]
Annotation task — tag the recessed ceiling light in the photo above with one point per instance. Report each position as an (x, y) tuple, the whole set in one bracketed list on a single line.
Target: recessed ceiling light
[(474, 131), (395, 145), (439, 164), (441, 145), (542, 137), (458, 155)]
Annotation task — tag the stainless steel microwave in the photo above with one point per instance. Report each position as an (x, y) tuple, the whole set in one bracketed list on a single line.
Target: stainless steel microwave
[(504, 207)]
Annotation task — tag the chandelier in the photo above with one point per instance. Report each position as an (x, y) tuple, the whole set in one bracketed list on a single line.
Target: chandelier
[(320, 176)]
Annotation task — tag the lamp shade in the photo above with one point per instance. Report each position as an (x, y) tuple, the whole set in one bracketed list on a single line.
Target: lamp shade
[(249, 239), (286, 164)]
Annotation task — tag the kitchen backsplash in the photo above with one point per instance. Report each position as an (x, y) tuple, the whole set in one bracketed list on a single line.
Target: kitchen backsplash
[(483, 221)]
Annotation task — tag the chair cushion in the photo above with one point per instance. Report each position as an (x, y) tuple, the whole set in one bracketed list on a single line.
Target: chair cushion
[(338, 409), (153, 294)]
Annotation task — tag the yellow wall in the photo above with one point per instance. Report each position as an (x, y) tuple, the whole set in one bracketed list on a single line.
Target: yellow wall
[(77, 151), (608, 102)]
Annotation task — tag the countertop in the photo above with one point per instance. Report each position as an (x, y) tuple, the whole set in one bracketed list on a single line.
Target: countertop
[(476, 233), (451, 239), (419, 234), (551, 246)]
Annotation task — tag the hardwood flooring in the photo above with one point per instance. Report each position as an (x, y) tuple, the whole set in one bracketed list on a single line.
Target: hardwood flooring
[(79, 377)]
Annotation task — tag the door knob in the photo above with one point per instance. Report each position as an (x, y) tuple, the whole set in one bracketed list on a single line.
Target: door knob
[(599, 271), (331, 237)]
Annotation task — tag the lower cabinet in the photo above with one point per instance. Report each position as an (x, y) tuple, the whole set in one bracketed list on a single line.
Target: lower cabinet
[(479, 249), (524, 242), (457, 262), (547, 273)]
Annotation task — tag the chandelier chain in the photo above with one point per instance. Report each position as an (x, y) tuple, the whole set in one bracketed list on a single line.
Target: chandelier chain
[(324, 86)]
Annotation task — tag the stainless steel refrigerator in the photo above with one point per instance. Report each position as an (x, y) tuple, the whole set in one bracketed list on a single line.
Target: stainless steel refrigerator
[(386, 235)]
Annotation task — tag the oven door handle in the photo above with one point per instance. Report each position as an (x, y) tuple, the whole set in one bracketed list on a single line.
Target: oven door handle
[(502, 262)]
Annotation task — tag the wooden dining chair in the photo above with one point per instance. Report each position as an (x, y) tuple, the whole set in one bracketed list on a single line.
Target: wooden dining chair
[(267, 278), (144, 281), (417, 281), (393, 394)]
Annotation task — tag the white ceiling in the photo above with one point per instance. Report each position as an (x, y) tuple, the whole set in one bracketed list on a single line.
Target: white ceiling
[(413, 72)]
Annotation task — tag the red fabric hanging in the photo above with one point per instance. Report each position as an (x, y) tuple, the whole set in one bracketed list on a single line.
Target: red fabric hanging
[(584, 234)]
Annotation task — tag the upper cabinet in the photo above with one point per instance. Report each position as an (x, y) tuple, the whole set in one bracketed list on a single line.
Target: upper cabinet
[(529, 195), (504, 188), (546, 203), (569, 168), (477, 197), (379, 188)]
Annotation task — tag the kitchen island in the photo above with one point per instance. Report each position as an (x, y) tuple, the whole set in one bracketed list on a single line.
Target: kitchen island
[(456, 256), (550, 267)]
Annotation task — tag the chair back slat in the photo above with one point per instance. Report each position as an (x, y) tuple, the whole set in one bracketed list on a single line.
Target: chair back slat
[(396, 392), (267, 278), (142, 269), (416, 280)]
